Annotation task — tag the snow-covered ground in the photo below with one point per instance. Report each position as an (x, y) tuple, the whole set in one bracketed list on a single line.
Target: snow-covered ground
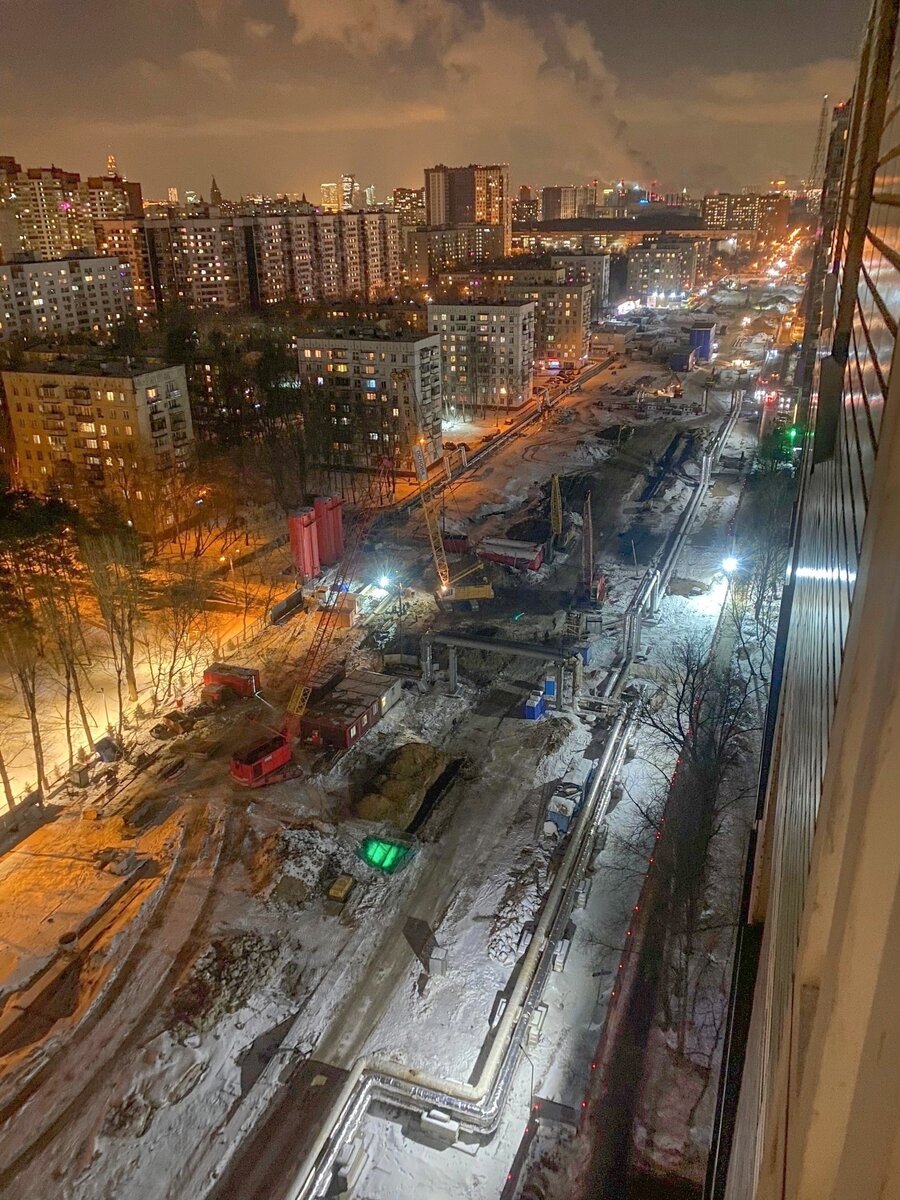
[(255, 969)]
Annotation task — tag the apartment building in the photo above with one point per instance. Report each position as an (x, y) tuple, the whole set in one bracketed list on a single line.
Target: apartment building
[(125, 239), (200, 260), (428, 252), (48, 212), (353, 415), (767, 213), (98, 428), (76, 294), (809, 1094), (592, 269), (562, 320), (262, 258), (409, 205), (487, 353), (472, 195), (662, 268)]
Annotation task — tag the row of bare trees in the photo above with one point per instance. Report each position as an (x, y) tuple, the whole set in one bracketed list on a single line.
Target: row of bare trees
[(81, 603)]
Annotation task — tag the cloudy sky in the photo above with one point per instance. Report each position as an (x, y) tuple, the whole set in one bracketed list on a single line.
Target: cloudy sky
[(281, 95)]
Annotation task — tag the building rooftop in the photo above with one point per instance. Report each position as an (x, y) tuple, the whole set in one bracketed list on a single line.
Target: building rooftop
[(103, 367), (363, 333)]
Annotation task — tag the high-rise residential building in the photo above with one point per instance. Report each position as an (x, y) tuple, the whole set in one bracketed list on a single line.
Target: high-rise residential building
[(768, 213), (558, 203), (369, 196), (409, 205), (586, 199), (562, 311), (562, 319), (469, 195), (354, 417), (662, 268), (813, 1042), (258, 258), (331, 199), (76, 294), (199, 260), (592, 269), (348, 193), (44, 211), (487, 353), (526, 206), (112, 166), (91, 429), (125, 239), (111, 197), (428, 252), (172, 195)]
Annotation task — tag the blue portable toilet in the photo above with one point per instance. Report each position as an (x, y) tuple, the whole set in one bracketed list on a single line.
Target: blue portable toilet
[(550, 687)]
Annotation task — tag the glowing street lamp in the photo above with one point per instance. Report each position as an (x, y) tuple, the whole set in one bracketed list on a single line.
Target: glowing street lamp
[(730, 564)]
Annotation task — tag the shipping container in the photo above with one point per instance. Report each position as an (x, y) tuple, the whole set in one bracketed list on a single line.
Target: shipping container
[(529, 555), (242, 681)]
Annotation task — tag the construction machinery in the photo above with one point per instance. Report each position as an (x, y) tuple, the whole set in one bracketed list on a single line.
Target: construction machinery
[(270, 759), (448, 590)]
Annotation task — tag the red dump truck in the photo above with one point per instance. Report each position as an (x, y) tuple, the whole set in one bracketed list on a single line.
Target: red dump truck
[(222, 682)]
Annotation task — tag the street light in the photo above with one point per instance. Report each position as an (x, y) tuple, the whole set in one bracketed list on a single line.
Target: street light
[(384, 583), (730, 564)]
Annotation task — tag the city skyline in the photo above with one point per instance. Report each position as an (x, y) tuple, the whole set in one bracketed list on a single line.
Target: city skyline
[(273, 96)]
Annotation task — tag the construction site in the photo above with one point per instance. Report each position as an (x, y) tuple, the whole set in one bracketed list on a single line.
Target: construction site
[(352, 927)]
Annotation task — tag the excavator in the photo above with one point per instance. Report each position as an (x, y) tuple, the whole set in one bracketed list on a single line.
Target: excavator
[(448, 590), (270, 759)]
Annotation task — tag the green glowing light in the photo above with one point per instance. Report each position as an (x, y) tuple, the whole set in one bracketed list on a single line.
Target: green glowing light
[(384, 855)]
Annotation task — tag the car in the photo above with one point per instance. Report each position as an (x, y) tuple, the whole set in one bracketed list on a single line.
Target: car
[(509, 422)]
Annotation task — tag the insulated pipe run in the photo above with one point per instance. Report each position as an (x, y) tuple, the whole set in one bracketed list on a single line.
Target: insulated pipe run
[(477, 1106)]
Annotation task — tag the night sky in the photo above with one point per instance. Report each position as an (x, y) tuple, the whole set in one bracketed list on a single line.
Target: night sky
[(281, 95)]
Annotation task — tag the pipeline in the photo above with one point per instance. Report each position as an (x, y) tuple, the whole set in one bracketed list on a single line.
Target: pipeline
[(649, 592), (477, 1106)]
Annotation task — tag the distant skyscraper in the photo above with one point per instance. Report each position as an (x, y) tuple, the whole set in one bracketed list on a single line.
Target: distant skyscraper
[(191, 197), (112, 168), (349, 188), (370, 196), (469, 195), (215, 196), (173, 195), (330, 194)]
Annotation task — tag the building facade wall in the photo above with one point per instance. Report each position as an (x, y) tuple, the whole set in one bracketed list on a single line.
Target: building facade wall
[(816, 1118), (353, 416), (487, 353), (88, 433), (69, 295)]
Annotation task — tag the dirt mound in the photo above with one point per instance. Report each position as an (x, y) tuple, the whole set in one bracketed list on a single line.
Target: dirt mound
[(221, 982), (398, 791), (526, 885)]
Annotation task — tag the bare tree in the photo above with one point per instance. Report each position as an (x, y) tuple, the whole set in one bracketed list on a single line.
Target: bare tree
[(22, 654), (701, 712), (176, 631), (112, 557)]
